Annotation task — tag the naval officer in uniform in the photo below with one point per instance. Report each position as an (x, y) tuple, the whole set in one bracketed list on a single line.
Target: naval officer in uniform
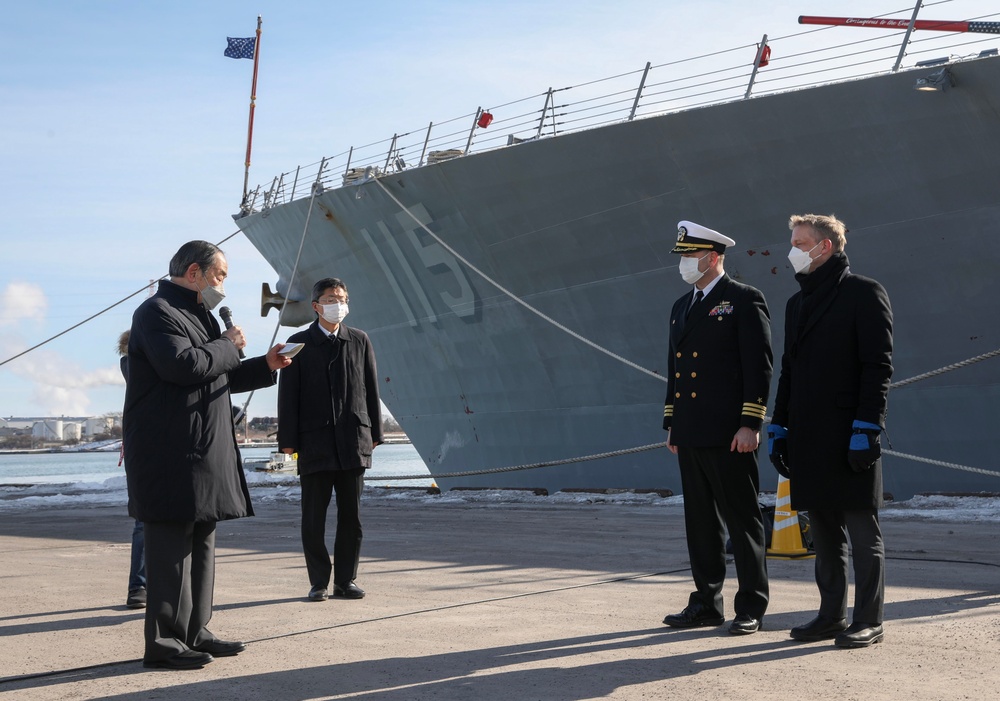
[(719, 375)]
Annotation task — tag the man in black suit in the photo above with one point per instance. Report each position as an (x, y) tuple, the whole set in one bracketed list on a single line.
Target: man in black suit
[(329, 413), (717, 385), (828, 414)]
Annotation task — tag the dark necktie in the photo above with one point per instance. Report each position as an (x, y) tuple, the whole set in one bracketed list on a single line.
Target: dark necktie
[(697, 298)]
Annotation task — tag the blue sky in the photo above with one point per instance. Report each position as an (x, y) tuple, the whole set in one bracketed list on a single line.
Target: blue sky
[(124, 133)]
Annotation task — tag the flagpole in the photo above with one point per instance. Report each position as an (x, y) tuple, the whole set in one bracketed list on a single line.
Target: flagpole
[(253, 97)]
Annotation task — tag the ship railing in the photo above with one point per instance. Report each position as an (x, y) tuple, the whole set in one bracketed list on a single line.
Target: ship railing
[(796, 61)]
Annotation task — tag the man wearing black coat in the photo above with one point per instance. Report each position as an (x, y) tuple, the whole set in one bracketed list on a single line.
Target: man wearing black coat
[(829, 411), (329, 413), (182, 464), (719, 371)]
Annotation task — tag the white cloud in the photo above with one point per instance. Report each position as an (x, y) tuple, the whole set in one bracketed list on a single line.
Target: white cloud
[(20, 301), (60, 386)]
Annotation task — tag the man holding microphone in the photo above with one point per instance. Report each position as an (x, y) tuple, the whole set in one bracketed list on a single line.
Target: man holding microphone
[(183, 467)]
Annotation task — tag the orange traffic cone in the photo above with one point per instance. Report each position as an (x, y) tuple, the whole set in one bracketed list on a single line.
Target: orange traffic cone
[(786, 538)]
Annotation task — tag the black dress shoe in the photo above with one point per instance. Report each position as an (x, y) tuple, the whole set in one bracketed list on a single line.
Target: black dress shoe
[(348, 591), (744, 624), (694, 616), (318, 594), (819, 628), (136, 599), (189, 659), (221, 648), (860, 635)]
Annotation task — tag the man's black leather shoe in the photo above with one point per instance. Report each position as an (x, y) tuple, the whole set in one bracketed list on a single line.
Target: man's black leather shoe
[(860, 635), (136, 598), (694, 616), (189, 659), (348, 591), (744, 624), (318, 594), (819, 628), (221, 648)]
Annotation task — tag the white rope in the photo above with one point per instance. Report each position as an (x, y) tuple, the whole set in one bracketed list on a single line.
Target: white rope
[(514, 297), (530, 466), (574, 334), (942, 463), (295, 268), (639, 449), (946, 368)]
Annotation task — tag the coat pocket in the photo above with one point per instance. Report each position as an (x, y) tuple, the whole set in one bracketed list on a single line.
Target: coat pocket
[(365, 446)]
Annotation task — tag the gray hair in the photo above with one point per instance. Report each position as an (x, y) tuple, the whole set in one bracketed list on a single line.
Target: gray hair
[(202, 253)]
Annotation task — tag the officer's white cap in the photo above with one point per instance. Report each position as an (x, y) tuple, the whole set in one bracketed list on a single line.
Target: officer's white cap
[(692, 238)]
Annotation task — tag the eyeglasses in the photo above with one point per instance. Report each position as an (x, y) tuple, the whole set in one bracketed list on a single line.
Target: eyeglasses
[(333, 300)]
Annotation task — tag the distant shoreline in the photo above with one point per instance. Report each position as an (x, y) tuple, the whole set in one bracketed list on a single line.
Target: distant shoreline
[(394, 438)]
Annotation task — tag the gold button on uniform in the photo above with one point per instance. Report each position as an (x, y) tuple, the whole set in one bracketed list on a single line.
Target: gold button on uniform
[(693, 395), (694, 374), (693, 355), (677, 395), (679, 355), (677, 374)]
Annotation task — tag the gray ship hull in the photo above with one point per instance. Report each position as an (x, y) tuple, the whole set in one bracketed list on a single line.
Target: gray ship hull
[(580, 226)]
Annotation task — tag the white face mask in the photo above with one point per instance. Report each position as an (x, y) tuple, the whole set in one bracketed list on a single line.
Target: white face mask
[(690, 269), (212, 295), (334, 313), (801, 260)]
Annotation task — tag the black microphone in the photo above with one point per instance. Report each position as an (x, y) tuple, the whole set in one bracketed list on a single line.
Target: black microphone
[(227, 319)]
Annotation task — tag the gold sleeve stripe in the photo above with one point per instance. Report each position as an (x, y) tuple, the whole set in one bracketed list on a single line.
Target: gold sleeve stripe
[(668, 410), (754, 409)]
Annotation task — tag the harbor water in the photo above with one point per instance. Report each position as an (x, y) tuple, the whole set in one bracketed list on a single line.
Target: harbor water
[(51, 479)]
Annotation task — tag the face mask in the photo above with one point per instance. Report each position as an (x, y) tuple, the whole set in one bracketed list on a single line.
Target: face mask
[(801, 260), (334, 313), (689, 269), (212, 295)]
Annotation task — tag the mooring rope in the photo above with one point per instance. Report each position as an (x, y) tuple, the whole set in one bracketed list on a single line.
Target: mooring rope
[(946, 368), (316, 189), (574, 334), (529, 466), (513, 296), (941, 463)]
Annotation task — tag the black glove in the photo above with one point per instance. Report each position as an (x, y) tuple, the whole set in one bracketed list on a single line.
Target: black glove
[(777, 450), (866, 447)]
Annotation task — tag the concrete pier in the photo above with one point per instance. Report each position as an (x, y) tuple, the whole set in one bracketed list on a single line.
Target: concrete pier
[(488, 601)]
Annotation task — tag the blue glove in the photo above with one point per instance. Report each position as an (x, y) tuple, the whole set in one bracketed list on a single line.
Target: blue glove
[(866, 447), (777, 449)]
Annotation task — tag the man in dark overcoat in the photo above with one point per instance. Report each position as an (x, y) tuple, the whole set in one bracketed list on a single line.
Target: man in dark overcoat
[(329, 413), (182, 464), (719, 372), (829, 410)]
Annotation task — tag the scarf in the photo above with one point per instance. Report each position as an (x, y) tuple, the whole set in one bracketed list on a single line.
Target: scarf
[(818, 289)]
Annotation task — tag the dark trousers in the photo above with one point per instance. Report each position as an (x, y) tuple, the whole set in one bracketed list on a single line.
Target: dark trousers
[(137, 569), (830, 530), (721, 490), (317, 488), (180, 583)]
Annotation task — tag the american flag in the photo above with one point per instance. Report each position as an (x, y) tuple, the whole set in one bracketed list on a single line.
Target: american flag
[(241, 48)]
